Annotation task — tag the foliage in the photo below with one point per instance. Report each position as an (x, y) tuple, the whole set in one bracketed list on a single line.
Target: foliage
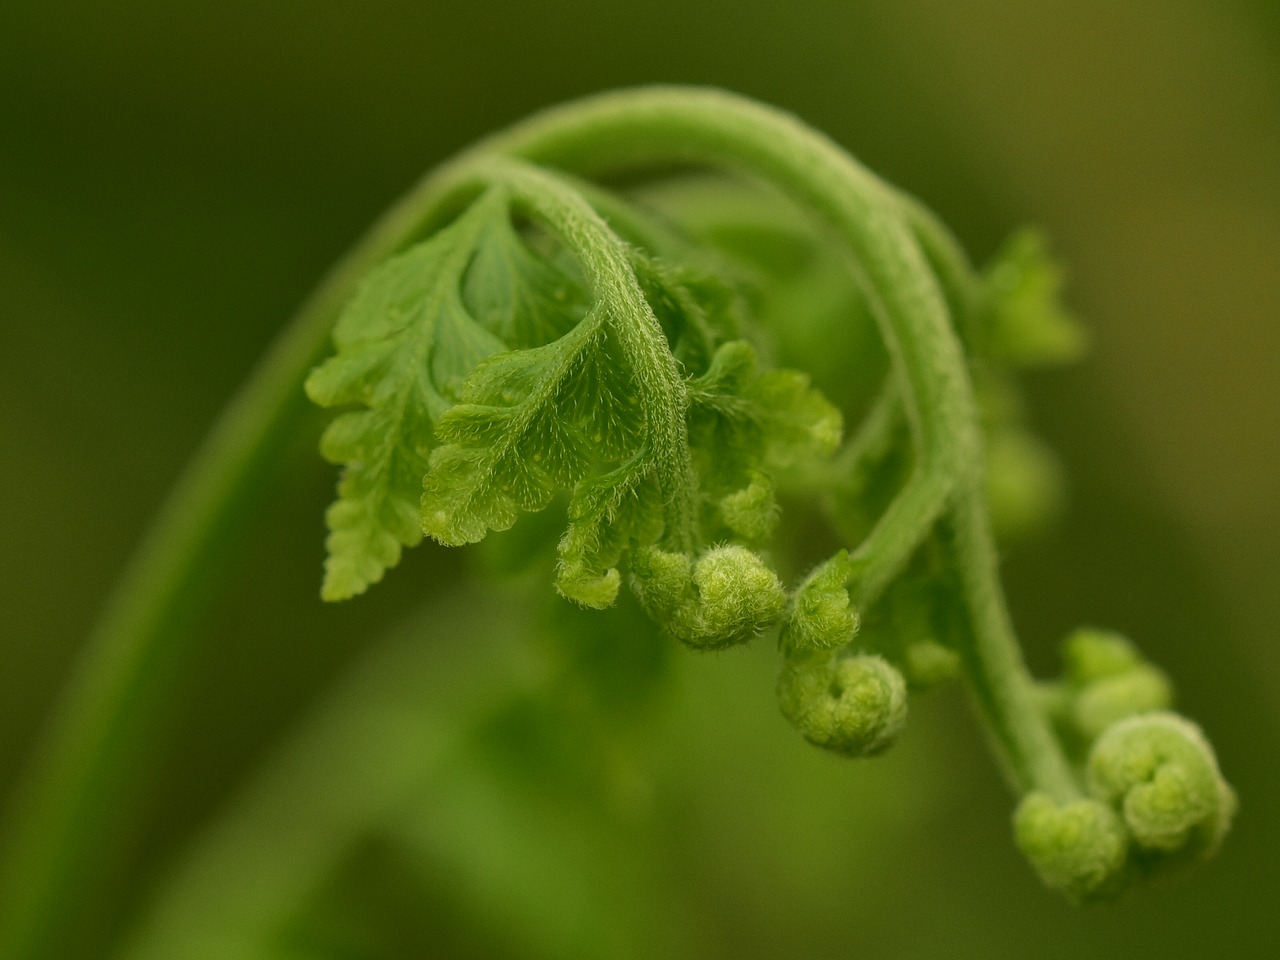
[(540, 341), (670, 442)]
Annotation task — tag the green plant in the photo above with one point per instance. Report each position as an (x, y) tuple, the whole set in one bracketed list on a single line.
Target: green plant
[(537, 330)]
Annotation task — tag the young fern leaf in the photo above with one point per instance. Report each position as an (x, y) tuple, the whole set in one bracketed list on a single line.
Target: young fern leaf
[(524, 297), (769, 418), (609, 513), (608, 412), (601, 409), (403, 344), (418, 326), (530, 423), (1023, 322)]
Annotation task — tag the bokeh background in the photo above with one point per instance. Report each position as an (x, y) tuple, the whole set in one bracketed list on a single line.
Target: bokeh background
[(174, 177)]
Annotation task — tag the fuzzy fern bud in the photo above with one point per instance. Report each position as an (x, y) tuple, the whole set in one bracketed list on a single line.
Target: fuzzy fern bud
[(752, 512), (1109, 681), (1079, 848), (1160, 774), (724, 598), (820, 616), (853, 705)]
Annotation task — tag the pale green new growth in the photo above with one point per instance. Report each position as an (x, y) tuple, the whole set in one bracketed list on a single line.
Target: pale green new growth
[(1158, 771), (821, 617), (854, 705), (1079, 847), (1025, 323), (561, 343), (752, 512), (1158, 800), (1105, 680), (405, 344), (725, 597), (518, 336), (1109, 681)]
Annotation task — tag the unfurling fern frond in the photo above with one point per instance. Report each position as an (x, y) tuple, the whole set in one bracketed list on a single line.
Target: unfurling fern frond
[(561, 343)]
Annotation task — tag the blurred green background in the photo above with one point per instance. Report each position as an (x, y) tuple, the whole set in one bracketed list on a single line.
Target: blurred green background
[(174, 177)]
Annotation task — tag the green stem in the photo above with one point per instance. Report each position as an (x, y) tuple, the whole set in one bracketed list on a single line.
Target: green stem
[(998, 678), (950, 265), (81, 798)]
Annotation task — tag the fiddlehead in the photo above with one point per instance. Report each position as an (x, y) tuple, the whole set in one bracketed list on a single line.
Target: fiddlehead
[(1158, 771), (555, 342)]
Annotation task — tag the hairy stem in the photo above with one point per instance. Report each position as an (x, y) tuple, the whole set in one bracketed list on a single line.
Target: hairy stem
[(604, 259)]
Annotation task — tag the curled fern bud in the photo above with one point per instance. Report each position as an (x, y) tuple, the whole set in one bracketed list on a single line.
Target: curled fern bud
[(738, 595), (1105, 702), (821, 616), (752, 512), (1160, 773), (1079, 848), (1109, 681), (662, 581), (1090, 654), (725, 598), (597, 592), (854, 705), (928, 663), (1025, 322)]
